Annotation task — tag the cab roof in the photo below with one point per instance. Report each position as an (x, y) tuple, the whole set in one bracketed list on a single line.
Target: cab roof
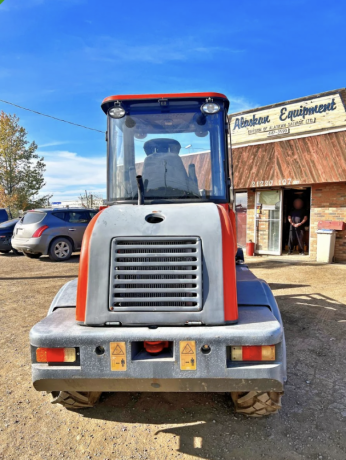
[(107, 102)]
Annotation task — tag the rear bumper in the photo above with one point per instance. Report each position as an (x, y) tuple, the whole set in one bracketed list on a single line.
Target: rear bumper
[(31, 245), (214, 371)]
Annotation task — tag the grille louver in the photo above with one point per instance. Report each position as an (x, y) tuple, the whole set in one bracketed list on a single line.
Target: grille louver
[(156, 274)]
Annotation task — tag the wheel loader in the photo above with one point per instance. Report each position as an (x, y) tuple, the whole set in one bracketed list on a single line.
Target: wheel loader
[(163, 300)]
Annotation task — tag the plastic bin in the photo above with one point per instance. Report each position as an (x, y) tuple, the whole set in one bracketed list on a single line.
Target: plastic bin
[(325, 245)]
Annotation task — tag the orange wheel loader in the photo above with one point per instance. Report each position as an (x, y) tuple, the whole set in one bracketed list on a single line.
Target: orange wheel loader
[(163, 300)]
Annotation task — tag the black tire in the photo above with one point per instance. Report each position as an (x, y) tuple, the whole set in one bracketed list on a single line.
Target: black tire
[(32, 256), (76, 399), (257, 403), (60, 249), (4, 252)]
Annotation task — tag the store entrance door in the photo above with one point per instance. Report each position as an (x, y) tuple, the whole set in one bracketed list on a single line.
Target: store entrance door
[(289, 196), (268, 222)]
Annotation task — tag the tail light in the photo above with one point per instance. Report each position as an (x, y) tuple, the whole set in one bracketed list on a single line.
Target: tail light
[(103, 206), (255, 353), (155, 347), (39, 231), (56, 355)]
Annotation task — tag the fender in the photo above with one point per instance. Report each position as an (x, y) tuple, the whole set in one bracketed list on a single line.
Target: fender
[(82, 287), (228, 263)]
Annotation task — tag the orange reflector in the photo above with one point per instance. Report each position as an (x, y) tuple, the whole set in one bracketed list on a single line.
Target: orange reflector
[(56, 355), (255, 353)]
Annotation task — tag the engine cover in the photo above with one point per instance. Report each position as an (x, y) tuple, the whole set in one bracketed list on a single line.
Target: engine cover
[(152, 271)]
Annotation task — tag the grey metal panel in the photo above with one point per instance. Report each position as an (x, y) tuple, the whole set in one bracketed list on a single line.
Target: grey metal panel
[(181, 220), (250, 290), (257, 326), (253, 382), (66, 296)]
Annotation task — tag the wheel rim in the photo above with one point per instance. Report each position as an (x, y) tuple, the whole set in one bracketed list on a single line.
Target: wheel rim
[(61, 250)]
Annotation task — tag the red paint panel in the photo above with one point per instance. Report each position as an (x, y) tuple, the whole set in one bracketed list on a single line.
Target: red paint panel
[(331, 225), (134, 97), (228, 265), (82, 287)]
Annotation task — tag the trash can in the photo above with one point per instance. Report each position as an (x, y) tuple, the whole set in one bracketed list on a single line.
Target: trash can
[(250, 248), (325, 245)]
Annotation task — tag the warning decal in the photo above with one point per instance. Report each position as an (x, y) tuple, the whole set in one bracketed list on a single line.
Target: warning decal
[(118, 356), (188, 356)]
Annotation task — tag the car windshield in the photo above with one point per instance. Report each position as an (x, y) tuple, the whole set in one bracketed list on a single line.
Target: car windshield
[(178, 151)]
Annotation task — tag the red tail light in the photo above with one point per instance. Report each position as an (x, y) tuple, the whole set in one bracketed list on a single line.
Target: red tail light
[(102, 207), (56, 355), (155, 347), (253, 353), (39, 231)]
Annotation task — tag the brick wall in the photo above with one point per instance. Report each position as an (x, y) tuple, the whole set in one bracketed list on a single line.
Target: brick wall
[(328, 202)]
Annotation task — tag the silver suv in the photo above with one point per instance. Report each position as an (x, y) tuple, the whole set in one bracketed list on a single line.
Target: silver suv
[(56, 232)]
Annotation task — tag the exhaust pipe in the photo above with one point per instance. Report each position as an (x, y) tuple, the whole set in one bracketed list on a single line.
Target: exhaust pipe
[(140, 187)]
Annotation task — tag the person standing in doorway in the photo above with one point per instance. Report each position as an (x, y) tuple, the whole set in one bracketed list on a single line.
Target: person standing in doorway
[(297, 219)]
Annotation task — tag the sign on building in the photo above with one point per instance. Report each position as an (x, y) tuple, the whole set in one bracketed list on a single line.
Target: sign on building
[(289, 119)]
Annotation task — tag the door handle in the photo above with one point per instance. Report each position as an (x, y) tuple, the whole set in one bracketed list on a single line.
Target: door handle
[(72, 229)]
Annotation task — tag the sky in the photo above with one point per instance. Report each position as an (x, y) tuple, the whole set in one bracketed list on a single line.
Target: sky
[(64, 57)]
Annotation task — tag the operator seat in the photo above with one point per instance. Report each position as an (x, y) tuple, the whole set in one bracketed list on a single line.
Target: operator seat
[(163, 168)]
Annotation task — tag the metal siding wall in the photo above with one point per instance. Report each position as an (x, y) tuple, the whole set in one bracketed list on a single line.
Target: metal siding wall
[(306, 160)]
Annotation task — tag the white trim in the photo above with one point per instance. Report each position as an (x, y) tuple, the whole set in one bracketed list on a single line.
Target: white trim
[(260, 251), (288, 138)]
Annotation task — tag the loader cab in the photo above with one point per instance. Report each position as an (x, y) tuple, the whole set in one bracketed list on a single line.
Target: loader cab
[(176, 142)]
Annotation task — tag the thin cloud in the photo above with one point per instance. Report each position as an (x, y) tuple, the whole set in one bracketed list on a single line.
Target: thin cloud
[(238, 104), (53, 144), (69, 174), (109, 50)]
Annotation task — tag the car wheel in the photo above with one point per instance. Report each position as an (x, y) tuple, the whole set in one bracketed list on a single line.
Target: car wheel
[(60, 250), (4, 252), (32, 256)]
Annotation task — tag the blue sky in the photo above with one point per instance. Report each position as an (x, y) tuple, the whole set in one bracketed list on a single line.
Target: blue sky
[(63, 57)]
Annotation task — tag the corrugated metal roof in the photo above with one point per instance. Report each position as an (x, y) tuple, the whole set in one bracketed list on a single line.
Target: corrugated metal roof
[(305, 160)]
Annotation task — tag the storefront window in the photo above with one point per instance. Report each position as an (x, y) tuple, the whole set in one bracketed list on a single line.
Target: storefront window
[(240, 213)]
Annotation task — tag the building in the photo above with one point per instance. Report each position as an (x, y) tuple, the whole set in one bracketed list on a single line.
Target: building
[(287, 150)]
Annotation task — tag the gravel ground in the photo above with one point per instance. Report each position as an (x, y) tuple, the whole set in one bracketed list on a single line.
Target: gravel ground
[(311, 424)]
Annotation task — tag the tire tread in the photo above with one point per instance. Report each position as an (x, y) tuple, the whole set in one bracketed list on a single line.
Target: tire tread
[(257, 403)]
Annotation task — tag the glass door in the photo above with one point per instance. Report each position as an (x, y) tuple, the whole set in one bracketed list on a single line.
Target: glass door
[(268, 222), (240, 216)]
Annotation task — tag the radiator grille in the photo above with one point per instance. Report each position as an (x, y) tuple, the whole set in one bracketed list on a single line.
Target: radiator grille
[(156, 274)]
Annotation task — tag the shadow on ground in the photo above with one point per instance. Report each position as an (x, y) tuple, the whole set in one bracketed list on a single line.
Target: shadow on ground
[(274, 264), (74, 259), (207, 420), (275, 286)]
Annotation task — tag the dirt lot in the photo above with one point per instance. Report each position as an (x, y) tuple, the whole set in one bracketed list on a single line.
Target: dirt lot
[(311, 424)]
